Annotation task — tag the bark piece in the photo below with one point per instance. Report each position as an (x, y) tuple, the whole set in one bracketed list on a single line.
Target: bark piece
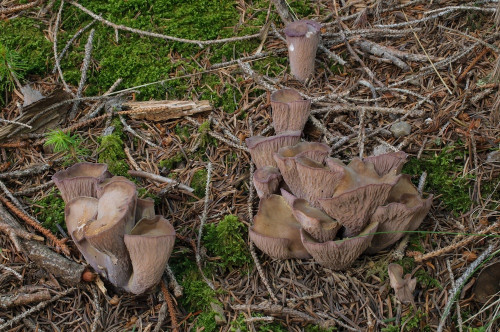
[(339, 255), (262, 148), (276, 231), (266, 181), (302, 38), (487, 283), (161, 110), (290, 110)]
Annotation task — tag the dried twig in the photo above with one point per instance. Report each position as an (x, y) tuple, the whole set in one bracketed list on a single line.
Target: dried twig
[(13, 300), (452, 279), (37, 169), (83, 78), (11, 271), (173, 284), (97, 308), (160, 178), (54, 43), (32, 190), (18, 8), (170, 304), (16, 123)]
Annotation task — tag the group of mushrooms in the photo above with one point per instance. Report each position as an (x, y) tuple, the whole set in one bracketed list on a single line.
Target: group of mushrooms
[(315, 206), (117, 233)]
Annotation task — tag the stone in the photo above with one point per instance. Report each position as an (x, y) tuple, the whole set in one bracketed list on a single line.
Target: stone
[(401, 128)]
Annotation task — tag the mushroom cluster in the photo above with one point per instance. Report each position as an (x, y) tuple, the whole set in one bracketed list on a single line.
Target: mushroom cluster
[(312, 205), (117, 233)]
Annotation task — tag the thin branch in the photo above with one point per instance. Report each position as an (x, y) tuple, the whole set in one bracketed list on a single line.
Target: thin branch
[(54, 44), (85, 68), (160, 178)]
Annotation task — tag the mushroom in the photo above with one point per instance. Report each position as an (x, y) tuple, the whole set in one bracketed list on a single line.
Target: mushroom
[(290, 110), (302, 38), (262, 148), (405, 211), (487, 283), (144, 208), (115, 218), (317, 223), (266, 181), (403, 287), (286, 162), (387, 162), (149, 245), (358, 195), (276, 231), (81, 179), (338, 255)]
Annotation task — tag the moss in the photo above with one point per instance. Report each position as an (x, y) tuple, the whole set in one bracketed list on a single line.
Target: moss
[(50, 211), (444, 176), (412, 321), (225, 240), (182, 132), (171, 163), (111, 152), (199, 182), (240, 325), (316, 328), (205, 139)]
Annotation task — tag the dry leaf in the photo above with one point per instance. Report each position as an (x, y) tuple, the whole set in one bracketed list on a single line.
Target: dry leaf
[(403, 287)]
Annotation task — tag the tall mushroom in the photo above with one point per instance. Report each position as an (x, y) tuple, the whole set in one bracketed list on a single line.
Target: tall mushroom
[(302, 38), (290, 110), (262, 148)]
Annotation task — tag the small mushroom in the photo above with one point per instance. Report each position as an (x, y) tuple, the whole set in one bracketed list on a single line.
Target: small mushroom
[(286, 162), (403, 287), (276, 231), (405, 211), (290, 110), (487, 284), (266, 181), (317, 181), (145, 208), (302, 38), (387, 162), (149, 245), (338, 255), (317, 223), (262, 148), (115, 218), (358, 195), (81, 179)]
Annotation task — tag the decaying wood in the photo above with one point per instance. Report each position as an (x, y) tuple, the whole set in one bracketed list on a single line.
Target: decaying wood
[(160, 110), (52, 262), (32, 113), (12, 300)]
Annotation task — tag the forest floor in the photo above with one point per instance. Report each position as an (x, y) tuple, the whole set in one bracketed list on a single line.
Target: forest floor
[(430, 64)]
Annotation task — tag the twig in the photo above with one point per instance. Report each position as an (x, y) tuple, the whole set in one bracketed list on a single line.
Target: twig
[(171, 309), (131, 160), (95, 110), (160, 178), (13, 300), (217, 136), (459, 284), (12, 198), (203, 219), (173, 284), (97, 308), (200, 43), (361, 135), (133, 132), (36, 308), (54, 43), (32, 222), (18, 8), (19, 233), (16, 123), (452, 280), (161, 317), (421, 182), (83, 78), (428, 57), (11, 271), (332, 55), (37, 169), (68, 44)]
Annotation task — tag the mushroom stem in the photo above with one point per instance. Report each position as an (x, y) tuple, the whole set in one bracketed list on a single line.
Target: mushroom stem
[(302, 38)]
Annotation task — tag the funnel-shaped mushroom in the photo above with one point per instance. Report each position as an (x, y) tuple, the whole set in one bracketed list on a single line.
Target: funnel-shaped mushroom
[(115, 218), (149, 245), (302, 38), (317, 181), (285, 159), (145, 208), (339, 255), (487, 283), (81, 179), (387, 162), (405, 212), (317, 223), (276, 231), (290, 110), (403, 287), (78, 213), (359, 194), (262, 148), (266, 181)]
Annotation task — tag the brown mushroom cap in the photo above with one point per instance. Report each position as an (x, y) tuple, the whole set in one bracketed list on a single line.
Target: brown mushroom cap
[(149, 245), (403, 287), (358, 195), (302, 39), (266, 181), (276, 231), (317, 181), (115, 218), (488, 283), (317, 223), (144, 208), (81, 179), (405, 212), (387, 162), (290, 110), (339, 255), (262, 148)]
